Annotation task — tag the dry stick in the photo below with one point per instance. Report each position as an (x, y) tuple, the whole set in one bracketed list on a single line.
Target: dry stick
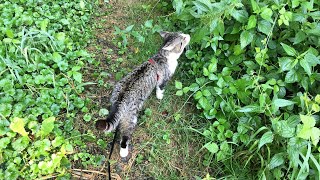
[(92, 171)]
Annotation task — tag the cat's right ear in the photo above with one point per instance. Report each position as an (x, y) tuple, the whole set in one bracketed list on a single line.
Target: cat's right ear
[(164, 33), (101, 125)]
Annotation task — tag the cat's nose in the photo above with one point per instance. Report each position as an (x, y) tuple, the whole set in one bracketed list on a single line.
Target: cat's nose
[(186, 37)]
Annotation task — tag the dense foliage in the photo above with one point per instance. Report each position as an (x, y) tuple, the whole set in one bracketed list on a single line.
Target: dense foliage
[(41, 56), (255, 65)]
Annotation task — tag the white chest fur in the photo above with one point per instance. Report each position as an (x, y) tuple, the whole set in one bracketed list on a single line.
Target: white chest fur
[(172, 62)]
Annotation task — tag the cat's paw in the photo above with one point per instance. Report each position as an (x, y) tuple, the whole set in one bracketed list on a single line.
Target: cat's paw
[(159, 93)]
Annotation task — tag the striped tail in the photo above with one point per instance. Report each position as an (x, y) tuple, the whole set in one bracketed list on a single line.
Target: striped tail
[(110, 123)]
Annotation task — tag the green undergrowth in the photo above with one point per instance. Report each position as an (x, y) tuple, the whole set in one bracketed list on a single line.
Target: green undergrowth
[(253, 71), (42, 54)]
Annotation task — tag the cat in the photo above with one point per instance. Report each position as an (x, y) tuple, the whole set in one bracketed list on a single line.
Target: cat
[(130, 92)]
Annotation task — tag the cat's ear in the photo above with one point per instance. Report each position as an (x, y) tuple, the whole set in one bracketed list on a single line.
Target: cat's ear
[(169, 46), (101, 125), (164, 33)]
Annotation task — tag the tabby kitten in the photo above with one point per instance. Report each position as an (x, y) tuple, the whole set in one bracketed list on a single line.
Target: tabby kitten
[(130, 93)]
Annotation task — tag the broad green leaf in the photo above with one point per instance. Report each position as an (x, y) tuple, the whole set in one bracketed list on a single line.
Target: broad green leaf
[(305, 133), (266, 138), (212, 147), (246, 38), (311, 59), (291, 76), (103, 112), (17, 125), (306, 66), (252, 22), (204, 103), (56, 57), (249, 108), (266, 14), (286, 63), (87, 117), (77, 76), (20, 144), (47, 126), (178, 84), (9, 33), (264, 27), (148, 23), (299, 37), (179, 93), (206, 92), (282, 102), (186, 89), (240, 15), (315, 134), (317, 98), (129, 28), (308, 121), (205, 71), (4, 141), (289, 50), (276, 161)]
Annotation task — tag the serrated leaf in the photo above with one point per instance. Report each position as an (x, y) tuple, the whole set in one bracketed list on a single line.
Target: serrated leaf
[(289, 50), (291, 76), (308, 121), (212, 147), (311, 59), (47, 126), (266, 138), (17, 125), (264, 27), (266, 14), (246, 38), (252, 22), (282, 103), (286, 63), (276, 161), (178, 84)]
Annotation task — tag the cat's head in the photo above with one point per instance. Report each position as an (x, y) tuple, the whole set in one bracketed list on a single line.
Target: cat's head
[(174, 43)]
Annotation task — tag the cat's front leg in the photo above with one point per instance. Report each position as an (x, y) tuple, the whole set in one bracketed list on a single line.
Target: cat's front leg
[(160, 90)]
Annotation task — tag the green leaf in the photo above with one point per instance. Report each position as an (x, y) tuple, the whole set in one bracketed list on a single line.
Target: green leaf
[(148, 24), (178, 5), (291, 76), (47, 126), (4, 141), (17, 125), (289, 50), (308, 121), (246, 38), (249, 108), (179, 93), (82, 5), (252, 22), (266, 138), (20, 144), (129, 28), (56, 57), (198, 95), (9, 33), (212, 147), (311, 59), (306, 66), (282, 103), (266, 14), (315, 134), (87, 117), (286, 63), (240, 15), (103, 112), (276, 160), (178, 84), (264, 27), (77, 76), (299, 37)]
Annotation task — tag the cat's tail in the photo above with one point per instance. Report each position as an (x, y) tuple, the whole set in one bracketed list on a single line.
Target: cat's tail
[(110, 123)]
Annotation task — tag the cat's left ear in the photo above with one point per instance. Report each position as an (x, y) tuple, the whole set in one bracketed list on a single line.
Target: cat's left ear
[(164, 33)]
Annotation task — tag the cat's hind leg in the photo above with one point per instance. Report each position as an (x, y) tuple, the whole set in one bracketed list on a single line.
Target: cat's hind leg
[(126, 134)]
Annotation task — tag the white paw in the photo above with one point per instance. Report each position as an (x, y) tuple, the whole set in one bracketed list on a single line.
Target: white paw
[(159, 93), (124, 152)]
